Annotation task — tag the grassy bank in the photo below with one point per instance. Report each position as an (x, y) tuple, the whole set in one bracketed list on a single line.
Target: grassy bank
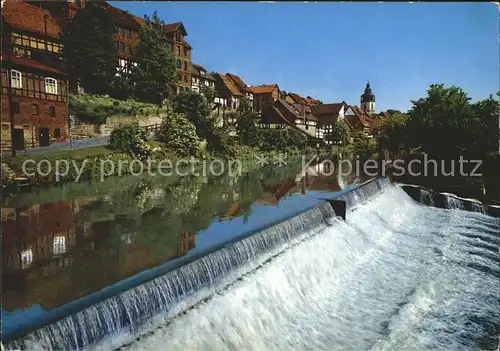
[(95, 164)]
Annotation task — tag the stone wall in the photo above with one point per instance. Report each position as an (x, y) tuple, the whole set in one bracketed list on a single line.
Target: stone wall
[(89, 130)]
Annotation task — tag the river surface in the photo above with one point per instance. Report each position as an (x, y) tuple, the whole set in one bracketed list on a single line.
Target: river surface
[(64, 244)]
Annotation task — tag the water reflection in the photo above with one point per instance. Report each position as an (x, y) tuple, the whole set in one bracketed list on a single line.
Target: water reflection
[(57, 252)]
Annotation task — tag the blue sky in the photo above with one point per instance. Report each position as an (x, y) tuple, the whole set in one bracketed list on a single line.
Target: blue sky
[(330, 50)]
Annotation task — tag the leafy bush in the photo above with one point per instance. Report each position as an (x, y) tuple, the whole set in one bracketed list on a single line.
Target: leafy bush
[(94, 109), (221, 144), (129, 138), (281, 139), (179, 135)]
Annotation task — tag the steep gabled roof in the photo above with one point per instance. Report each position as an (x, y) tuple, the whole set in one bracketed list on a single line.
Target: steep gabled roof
[(198, 67), (360, 119), (296, 110), (242, 86), (327, 109), (297, 98), (174, 27), (123, 18), (30, 18), (230, 85), (264, 89), (311, 101)]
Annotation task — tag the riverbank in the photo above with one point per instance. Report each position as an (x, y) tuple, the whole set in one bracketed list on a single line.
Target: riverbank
[(100, 163)]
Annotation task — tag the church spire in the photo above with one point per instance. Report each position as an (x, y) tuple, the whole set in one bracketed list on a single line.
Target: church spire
[(368, 99)]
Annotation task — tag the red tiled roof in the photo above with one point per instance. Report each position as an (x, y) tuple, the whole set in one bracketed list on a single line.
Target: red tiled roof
[(242, 86), (360, 119), (311, 101), (173, 27), (297, 98), (124, 18), (230, 85), (264, 89), (327, 109), (197, 66), (21, 61), (33, 19), (303, 100)]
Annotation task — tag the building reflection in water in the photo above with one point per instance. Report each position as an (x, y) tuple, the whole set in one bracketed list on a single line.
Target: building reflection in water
[(54, 253), (51, 256)]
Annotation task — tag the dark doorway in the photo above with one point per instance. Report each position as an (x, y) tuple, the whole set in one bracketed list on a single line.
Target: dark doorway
[(18, 139), (43, 136)]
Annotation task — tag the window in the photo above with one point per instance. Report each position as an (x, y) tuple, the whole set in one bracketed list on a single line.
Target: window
[(178, 37), (5, 127), (59, 245), (51, 85), (52, 111), (179, 76), (185, 51), (57, 133), (15, 107), (16, 79), (35, 109), (178, 63), (185, 66), (186, 78), (121, 47), (26, 258)]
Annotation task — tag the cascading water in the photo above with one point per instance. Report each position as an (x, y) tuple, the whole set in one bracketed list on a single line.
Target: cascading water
[(477, 207), (119, 319), (395, 276), (454, 203), (426, 197)]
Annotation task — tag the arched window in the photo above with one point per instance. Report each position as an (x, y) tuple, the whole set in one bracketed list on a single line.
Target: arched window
[(51, 85), (16, 79)]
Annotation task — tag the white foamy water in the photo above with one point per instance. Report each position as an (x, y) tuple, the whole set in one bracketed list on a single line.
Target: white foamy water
[(397, 275)]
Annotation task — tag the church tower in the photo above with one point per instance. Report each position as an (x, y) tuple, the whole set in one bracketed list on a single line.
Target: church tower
[(368, 100)]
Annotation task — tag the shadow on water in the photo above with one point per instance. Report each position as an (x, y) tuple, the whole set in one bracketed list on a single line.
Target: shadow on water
[(64, 243)]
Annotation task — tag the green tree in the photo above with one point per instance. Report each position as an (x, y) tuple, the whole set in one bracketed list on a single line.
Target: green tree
[(438, 122), (342, 131), (363, 146), (483, 127), (89, 49), (179, 134), (129, 138), (196, 108), (154, 74), (245, 124), (394, 112), (393, 133), (209, 94)]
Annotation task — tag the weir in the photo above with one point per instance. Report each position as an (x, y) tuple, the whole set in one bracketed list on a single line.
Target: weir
[(134, 315), (449, 201)]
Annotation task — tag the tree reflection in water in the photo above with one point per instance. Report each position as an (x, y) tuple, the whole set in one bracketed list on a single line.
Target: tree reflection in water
[(64, 249)]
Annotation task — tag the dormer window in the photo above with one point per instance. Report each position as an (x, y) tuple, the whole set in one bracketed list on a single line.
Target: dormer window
[(51, 85), (16, 79)]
